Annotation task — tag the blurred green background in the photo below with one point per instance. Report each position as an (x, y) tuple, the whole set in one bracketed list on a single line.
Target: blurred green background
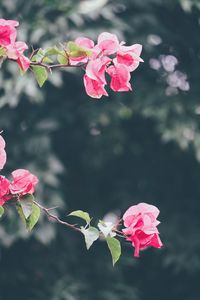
[(104, 155)]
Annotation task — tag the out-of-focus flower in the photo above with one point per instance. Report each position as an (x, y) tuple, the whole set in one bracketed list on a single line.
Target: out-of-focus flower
[(2, 153), (111, 57), (8, 32), (12, 49), (15, 51), (4, 190)]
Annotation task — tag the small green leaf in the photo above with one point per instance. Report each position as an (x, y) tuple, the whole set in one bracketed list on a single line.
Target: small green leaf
[(1, 211), (52, 51), (75, 50), (26, 205), (41, 74), (20, 212), (42, 56), (62, 58), (21, 72), (115, 248), (33, 218), (81, 214), (38, 57), (2, 51), (91, 235), (47, 60)]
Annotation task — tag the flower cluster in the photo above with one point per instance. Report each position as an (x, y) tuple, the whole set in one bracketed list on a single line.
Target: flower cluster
[(107, 58), (22, 183), (111, 57), (9, 47), (141, 227)]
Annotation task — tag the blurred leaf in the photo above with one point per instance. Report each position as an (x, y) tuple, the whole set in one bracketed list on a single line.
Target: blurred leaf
[(75, 50), (91, 235), (38, 57), (1, 211), (41, 74), (115, 248), (20, 212), (33, 218), (2, 51), (26, 205), (62, 58), (52, 51)]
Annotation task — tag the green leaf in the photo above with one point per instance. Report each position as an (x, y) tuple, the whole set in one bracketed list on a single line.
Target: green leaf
[(42, 56), (33, 218), (2, 51), (26, 205), (52, 51), (1, 211), (91, 235), (38, 57), (20, 212), (21, 72), (115, 248), (62, 58), (47, 60), (41, 74), (75, 50), (81, 214)]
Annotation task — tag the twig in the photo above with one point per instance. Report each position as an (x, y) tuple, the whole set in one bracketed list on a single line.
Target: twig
[(56, 66), (56, 218)]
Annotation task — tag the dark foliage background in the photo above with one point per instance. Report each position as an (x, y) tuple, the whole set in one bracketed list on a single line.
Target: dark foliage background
[(103, 156)]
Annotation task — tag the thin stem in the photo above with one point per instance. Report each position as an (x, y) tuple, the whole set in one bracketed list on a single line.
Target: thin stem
[(56, 66), (56, 218), (120, 233), (34, 51)]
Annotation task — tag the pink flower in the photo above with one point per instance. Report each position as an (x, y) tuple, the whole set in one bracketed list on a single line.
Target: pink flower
[(123, 60), (129, 56), (141, 227), (96, 69), (23, 182), (2, 153), (7, 32), (85, 42), (15, 51), (94, 88), (107, 43), (136, 49), (11, 23), (4, 190), (120, 77)]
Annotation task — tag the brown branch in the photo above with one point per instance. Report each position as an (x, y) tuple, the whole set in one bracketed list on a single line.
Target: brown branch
[(56, 66), (56, 218), (72, 226)]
